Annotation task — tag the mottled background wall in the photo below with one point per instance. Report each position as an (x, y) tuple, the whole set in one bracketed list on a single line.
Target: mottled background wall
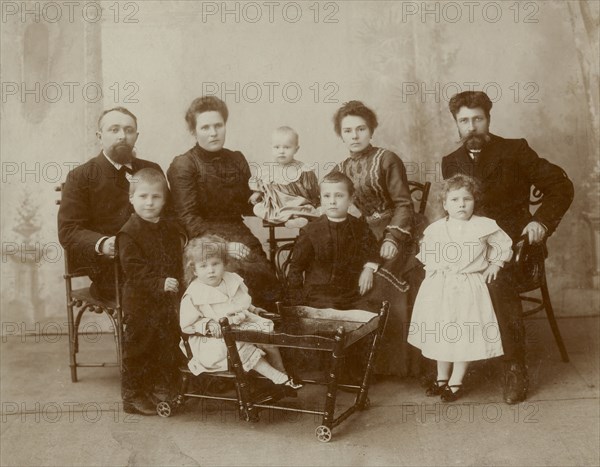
[(292, 63)]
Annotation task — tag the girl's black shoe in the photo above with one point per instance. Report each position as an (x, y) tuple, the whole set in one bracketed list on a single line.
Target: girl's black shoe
[(448, 395), (436, 387)]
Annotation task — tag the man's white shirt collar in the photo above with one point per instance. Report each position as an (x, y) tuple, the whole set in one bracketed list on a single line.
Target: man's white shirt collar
[(118, 166), (473, 152)]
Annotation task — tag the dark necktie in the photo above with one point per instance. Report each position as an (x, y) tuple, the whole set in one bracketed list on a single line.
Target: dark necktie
[(122, 181), (476, 156)]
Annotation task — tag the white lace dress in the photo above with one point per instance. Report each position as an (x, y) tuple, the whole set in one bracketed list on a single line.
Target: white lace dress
[(453, 318), (288, 191)]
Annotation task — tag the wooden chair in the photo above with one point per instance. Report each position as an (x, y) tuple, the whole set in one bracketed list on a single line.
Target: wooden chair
[(81, 300), (530, 262), (283, 257), (419, 192), (273, 240)]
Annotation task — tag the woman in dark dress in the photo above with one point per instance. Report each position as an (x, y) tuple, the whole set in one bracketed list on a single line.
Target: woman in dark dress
[(209, 186), (382, 196)]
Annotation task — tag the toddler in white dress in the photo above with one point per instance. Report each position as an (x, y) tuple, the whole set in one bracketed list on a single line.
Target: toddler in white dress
[(212, 294), (453, 319)]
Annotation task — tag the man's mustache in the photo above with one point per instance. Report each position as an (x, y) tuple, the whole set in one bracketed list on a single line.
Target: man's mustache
[(121, 153), (475, 141)]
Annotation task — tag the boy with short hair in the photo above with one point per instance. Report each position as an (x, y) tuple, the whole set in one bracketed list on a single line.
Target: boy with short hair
[(150, 253), (335, 256)]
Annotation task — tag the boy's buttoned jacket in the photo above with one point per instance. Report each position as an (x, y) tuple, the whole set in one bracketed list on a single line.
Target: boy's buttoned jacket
[(325, 263)]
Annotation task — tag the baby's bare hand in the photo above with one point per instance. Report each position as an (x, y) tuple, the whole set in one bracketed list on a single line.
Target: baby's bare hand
[(257, 310), (171, 285), (236, 318), (256, 197), (237, 250), (214, 329)]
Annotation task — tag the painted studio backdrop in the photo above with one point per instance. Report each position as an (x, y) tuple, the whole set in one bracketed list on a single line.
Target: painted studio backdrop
[(289, 63)]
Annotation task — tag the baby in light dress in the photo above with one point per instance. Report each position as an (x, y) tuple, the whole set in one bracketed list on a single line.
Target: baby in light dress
[(289, 192)]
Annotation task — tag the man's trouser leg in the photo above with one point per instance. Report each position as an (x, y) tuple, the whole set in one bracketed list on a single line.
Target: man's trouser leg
[(509, 312), (508, 308)]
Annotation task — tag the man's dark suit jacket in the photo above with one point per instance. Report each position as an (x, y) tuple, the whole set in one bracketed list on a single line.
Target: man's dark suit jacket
[(507, 168), (93, 205)]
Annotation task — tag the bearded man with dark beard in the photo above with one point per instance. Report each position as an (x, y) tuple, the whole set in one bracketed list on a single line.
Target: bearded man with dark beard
[(507, 169), (95, 199)]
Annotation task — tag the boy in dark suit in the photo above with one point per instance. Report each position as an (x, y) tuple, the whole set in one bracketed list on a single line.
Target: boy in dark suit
[(507, 168), (95, 199), (332, 266), (335, 256), (150, 252)]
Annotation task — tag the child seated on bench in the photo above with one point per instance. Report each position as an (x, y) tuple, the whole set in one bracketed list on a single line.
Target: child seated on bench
[(333, 265), (335, 256), (212, 294)]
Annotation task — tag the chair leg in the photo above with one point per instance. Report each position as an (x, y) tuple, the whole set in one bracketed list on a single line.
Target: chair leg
[(272, 244), (115, 321), (184, 384), (72, 343), (241, 380), (552, 320), (119, 336), (80, 313), (334, 373)]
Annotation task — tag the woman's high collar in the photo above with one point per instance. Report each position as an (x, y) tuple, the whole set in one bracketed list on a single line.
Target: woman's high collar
[(209, 156), (365, 152)]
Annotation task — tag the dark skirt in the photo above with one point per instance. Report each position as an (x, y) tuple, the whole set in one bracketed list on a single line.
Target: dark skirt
[(397, 282), (395, 356)]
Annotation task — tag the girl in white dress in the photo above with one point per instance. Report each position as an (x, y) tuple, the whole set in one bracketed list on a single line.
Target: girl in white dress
[(453, 319), (212, 294)]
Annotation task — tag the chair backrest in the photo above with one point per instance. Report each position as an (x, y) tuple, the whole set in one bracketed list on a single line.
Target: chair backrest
[(283, 257), (529, 260), (59, 188), (71, 270), (536, 196), (75, 268), (419, 193)]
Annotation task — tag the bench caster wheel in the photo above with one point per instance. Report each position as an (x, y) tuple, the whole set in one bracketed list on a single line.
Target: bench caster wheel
[(252, 417), (323, 433), (163, 409)]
